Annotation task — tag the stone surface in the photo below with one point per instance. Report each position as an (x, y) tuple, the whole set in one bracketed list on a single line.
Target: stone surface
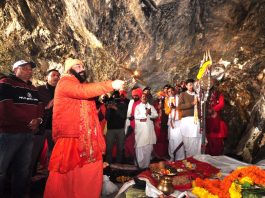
[(163, 39)]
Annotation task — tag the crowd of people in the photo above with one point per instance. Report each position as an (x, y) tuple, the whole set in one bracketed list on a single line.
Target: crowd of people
[(83, 127)]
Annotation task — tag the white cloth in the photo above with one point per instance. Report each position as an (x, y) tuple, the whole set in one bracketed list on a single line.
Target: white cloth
[(192, 145), (172, 145), (174, 134), (143, 155), (108, 187), (144, 131), (129, 111), (188, 128)]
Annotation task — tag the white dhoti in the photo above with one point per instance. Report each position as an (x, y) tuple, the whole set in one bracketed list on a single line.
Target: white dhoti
[(191, 136), (192, 145), (143, 155), (175, 146)]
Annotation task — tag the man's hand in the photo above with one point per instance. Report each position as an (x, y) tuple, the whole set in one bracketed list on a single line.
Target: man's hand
[(105, 164), (34, 124), (49, 105), (117, 84), (148, 111), (195, 100)]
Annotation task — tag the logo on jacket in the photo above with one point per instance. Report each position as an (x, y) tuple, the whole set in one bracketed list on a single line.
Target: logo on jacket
[(29, 95)]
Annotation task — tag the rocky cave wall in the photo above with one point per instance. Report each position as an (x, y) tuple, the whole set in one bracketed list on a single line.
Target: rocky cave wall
[(163, 39)]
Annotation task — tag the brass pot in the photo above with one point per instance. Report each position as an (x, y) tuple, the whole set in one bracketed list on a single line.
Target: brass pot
[(165, 185)]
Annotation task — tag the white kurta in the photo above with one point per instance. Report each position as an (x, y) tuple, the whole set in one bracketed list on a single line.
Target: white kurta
[(174, 134), (129, 111), (144, 131), (145, 135)]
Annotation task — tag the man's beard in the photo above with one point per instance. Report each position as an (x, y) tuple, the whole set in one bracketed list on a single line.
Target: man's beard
[(81, 76), (136, 99)]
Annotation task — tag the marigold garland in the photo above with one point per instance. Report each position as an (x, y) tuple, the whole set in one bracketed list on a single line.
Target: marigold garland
[(227, 187), (201, 192), (235, 190)]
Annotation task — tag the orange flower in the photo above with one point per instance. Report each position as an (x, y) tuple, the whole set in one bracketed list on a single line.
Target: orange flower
[(221, 187)]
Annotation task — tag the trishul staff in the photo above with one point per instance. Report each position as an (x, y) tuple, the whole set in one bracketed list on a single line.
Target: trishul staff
[(203, 87)]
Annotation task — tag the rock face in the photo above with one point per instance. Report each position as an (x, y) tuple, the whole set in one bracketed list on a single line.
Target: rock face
[(163, 39)]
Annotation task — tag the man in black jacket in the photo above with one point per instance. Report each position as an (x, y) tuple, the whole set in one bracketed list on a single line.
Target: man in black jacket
[(20, 117), (46, 95), (116, 116)]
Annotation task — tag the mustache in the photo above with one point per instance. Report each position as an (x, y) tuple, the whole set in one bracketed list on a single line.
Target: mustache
[(81, 76)]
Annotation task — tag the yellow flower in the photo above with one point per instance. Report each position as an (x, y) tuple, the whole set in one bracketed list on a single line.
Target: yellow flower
[(246, 179), (240, 167), (219, 174), (202, 193), (235, 190)]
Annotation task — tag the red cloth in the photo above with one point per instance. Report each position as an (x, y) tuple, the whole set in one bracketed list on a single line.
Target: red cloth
[(123, 92), (137, 92), (43, 155), (81, 182), (201, 170), (161, 146), (216, 128), (215, 146)]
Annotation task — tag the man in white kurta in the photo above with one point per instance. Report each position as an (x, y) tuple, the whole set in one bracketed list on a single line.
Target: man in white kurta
[(175, 145), (145, 135)]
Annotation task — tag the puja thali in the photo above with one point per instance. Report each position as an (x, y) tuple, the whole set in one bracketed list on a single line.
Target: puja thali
[(162, 169)]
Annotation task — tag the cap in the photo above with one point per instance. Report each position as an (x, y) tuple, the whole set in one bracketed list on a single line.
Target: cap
[(22, 63), (70, 62)]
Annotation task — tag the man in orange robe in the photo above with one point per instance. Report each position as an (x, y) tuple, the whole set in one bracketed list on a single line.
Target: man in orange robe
[(76, 166)]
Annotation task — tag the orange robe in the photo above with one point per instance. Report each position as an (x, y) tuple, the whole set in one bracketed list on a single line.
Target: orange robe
[(76, 161), (69, 180)]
